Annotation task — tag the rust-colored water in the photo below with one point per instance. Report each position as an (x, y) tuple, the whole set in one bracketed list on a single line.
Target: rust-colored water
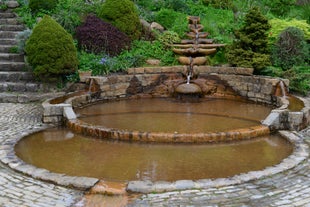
[(295, 104), (166, 115), (59, 150)]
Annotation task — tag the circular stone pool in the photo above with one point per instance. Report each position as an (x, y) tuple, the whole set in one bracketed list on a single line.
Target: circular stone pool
[(61, 151), (172, 116)]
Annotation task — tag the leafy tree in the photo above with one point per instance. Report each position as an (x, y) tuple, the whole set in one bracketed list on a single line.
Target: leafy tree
[(50, 51), (123, 15), (250, 49), (290, 49)]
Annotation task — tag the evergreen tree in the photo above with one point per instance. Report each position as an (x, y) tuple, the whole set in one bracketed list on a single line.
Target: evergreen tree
[(250, 48)]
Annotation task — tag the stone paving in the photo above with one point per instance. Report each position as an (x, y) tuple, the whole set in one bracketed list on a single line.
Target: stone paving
[(17, 189), (290, 188)]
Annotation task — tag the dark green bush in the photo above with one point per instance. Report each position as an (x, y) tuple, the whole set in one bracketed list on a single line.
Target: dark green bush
[(173, 21), (299, 77), (290, 49), (123, 15), (279, 7), (98, 36), (223, 4), (50, 51), (250, 49), (37, 5)]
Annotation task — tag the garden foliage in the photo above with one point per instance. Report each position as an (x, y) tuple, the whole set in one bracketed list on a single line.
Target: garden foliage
[(250, 47), (50, 51), (98, 36), (290, 49), (123, 15), (37, 5), (224, 4), (279, 7), (279, 25)]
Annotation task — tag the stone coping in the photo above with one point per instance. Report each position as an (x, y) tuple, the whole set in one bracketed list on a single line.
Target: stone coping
[(8, 157), (200, 69), (102, 132)]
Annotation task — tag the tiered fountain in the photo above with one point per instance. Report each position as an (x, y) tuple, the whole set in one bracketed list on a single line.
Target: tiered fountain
[(193, 52)]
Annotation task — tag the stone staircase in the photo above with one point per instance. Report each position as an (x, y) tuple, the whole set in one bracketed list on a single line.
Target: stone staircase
[(17, 83)]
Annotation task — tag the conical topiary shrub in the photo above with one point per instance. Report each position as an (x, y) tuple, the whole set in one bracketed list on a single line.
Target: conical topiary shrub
[(50, 51), (250, 48)]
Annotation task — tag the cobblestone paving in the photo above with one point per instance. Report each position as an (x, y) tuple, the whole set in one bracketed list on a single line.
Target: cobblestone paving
[(287, 189), (15, 188)]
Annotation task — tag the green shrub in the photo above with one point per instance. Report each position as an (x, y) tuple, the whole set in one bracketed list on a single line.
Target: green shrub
[(279, 7), (290, 49), (219, 23), (94, 62), (123, 15), (68, 13), (250, 47), (278, 25), (176, 5), (299, 77), (37, 5), (25, 15), (224, 4), (50, 51), (173, 21), (167, 38)]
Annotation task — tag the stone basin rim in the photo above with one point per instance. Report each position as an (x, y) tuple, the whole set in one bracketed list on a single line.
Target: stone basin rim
[(8, 157)]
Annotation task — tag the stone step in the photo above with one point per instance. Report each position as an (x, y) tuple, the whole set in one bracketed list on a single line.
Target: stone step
[(16, 76), (8, 34), (26, 97), (8, 42), (6, 48), (13, 66), (19, 87), (7, 14), (10, 57), (17, 28), (10, 21), (11, 4)]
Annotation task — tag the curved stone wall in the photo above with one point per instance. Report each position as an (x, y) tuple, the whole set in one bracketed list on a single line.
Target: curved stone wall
[(224, 82)]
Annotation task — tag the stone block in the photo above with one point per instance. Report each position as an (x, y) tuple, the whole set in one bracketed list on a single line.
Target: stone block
[(69, 113), (184, 184), (295, 120), (273, 120), (140, 186)]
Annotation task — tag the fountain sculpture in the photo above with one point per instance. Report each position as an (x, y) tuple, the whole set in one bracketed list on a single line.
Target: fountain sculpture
[(193, 52)]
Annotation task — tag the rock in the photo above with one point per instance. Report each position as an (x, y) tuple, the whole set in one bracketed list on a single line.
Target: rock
[(109, 188), (12, 4), (145, 24), (153, 62), (156, 26), (188, 88)]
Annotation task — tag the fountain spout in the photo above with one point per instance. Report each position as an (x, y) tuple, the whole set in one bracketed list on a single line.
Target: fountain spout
[(283, 89)]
